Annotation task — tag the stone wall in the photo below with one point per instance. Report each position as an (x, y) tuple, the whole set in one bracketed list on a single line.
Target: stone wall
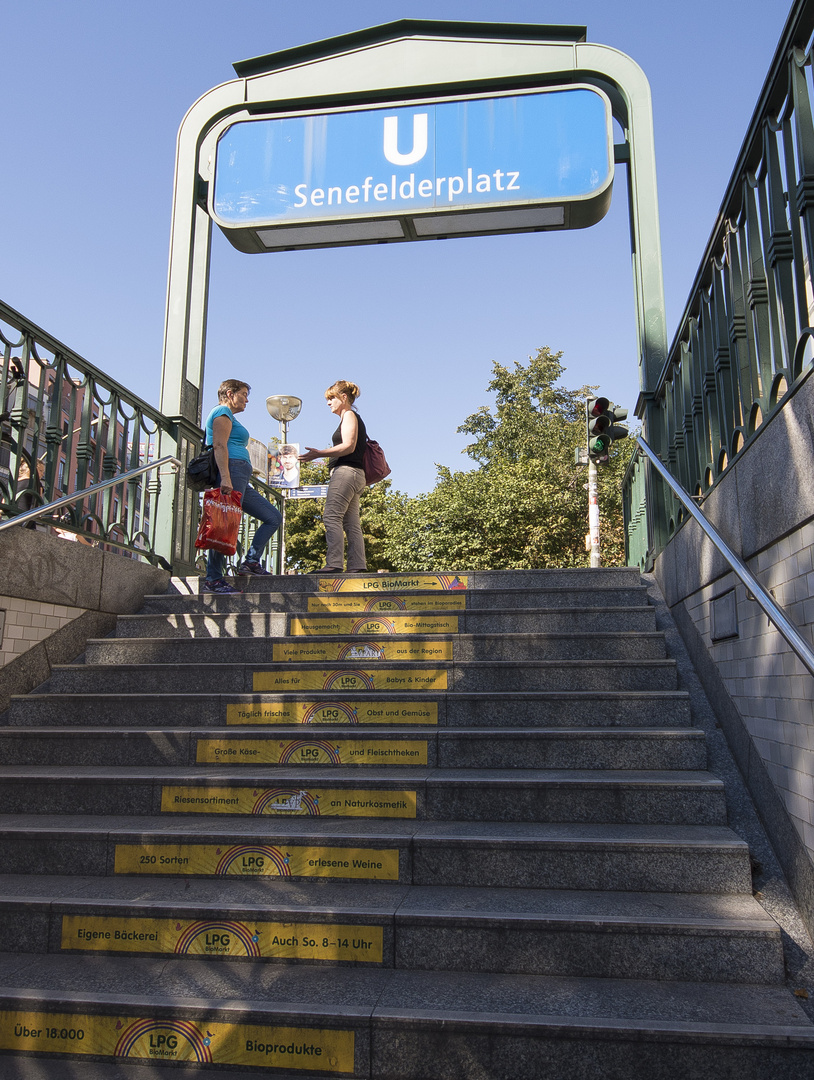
[(764, 697), (54, 596)]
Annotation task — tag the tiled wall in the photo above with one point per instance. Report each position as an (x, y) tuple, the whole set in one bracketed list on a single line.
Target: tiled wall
[(24, 623), (771, 689)]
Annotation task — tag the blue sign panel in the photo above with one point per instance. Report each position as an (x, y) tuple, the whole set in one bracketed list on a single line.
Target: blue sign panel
[(551, 146)]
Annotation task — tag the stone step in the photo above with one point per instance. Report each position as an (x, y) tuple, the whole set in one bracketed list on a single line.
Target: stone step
[(387, 1024), (522, 931), (253, 601), (428, 794), (492, 676), (281, 624), (498, 748), (463, 581), (626, 645), (627, 858), (606, 709)]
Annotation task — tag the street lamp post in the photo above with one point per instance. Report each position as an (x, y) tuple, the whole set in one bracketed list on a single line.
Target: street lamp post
[(284, 408)]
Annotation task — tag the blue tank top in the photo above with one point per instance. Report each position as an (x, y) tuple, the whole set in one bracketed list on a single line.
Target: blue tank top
[(238, 441)]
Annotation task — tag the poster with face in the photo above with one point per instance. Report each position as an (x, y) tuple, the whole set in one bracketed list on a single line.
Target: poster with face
[(284, 466)]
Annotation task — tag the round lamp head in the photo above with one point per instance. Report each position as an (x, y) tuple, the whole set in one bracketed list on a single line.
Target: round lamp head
[(284, 407)]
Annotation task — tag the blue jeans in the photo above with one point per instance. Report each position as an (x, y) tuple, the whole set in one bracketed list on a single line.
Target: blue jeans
[(255, 506)]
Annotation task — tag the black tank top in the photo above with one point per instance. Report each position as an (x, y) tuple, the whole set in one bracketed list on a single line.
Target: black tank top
[(356, 458)]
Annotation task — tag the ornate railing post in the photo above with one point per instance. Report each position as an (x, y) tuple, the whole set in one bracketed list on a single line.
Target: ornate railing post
[(78, 426), (744, 336)]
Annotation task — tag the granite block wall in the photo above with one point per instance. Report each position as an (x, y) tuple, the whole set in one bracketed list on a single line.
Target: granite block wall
[(54, 596), (763, 505)]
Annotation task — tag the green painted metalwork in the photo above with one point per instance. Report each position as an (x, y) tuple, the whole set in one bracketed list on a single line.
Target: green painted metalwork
[(67, 425), (407, 58), (745, 335)]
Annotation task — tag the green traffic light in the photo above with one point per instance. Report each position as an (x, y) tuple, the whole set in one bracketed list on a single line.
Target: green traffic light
[(603, 427)]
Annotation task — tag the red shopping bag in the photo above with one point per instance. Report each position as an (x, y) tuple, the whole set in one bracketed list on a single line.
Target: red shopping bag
[(220, 521)]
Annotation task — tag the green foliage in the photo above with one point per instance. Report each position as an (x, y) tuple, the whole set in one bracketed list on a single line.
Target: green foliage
[(305, 533), (526, 505), (532, 415)]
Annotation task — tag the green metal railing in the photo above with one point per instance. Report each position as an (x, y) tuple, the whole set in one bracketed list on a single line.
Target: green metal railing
[(744, 340), (66, 427), (52, 513)]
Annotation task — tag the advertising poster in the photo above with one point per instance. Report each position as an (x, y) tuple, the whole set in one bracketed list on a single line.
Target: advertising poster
[(288, 801), (284, 466), (257, 860), (166, 1039), (222, 937), (311, 751), (332, 712)]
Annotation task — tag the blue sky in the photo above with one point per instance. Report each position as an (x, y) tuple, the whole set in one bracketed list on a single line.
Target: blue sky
[(92, 93)]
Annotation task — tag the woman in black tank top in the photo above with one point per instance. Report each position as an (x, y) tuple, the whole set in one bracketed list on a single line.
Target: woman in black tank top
[(347, 481)]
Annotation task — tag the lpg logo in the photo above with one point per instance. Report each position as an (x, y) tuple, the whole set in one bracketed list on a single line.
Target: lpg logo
[(180, 1040), (161, 1042), (218, 941)]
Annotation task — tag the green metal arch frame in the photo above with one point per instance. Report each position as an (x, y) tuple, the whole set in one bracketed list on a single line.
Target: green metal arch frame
[(400, 60)]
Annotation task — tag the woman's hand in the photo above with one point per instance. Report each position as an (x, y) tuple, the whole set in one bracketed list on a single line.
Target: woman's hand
[(312, 454)]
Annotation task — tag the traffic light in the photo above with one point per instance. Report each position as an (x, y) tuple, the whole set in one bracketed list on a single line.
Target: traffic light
[(598, 422), (603, 421)]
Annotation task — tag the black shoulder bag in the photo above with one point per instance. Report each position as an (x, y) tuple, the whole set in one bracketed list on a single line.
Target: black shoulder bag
[(202, 472)]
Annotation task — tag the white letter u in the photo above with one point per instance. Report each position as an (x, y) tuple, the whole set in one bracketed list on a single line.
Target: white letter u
[(391, 140)]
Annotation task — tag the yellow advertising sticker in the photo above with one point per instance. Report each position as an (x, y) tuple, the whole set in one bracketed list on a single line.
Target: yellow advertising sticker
[(300, 652), (340, 602), (257, 860), (332, 712), (167, 1039), (288, 802), (394, 583), (312, 751), (223, 937), (373, 625), (349, 679)]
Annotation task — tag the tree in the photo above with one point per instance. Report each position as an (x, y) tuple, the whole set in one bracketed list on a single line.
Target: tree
[(525, 505), (305, 533)]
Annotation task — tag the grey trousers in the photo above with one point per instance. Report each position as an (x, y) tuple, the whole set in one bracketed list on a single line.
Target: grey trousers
[(341, 517)]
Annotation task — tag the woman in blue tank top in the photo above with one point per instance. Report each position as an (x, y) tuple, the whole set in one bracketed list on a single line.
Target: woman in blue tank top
[(231, 442)]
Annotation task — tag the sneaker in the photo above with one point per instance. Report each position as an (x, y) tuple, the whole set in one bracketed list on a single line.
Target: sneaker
[(220, 586), (249, 566)]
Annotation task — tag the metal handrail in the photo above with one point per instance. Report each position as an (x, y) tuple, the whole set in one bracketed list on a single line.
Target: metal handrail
[(774, 612), (40, 511)]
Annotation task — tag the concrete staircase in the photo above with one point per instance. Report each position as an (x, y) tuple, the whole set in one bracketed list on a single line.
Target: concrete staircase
[(391, 827)]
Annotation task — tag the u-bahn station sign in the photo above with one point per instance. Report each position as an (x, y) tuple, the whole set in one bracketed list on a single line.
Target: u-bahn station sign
[(454, 167), (414, 130)]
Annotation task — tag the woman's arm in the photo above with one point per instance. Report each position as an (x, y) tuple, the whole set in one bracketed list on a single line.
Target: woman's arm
[(349, 431), (221, 427)]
